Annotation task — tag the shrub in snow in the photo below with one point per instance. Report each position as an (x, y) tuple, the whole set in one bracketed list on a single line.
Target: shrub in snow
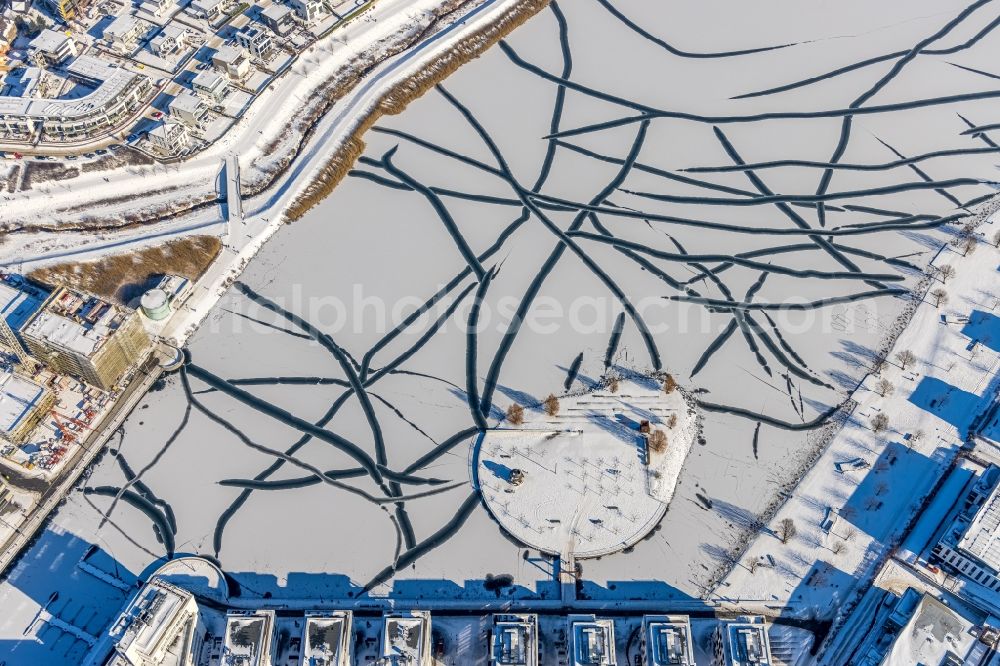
[(515, 414), (657, 441), (669, 384), (551, 405), (880, 422)]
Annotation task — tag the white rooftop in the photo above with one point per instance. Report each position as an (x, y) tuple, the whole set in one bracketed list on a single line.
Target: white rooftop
[(514, 640), (934, 634), (142, 624), (668, 640), (48, 40), (18, 396), (592, 641), (982, 538), (16, 305), (404, 636), (208, 80), (229, 54), (276, 12), (248, 641), (117, 81), (64, 329), (122, 25), (747, 643), (327, 639), (186, 101)]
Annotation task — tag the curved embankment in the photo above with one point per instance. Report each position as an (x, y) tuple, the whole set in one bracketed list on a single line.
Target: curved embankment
[(396, 100)]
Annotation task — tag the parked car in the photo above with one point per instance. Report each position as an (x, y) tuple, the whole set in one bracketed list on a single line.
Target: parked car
[(158, 114), (101, 152), (18, 156), (88, 155), (116, 146), (72, 157)]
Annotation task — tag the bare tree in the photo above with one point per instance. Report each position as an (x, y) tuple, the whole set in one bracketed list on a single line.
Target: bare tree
[(657, 441), (837, 547), (884, 387), (914, 438), (672, 421), (669, 384), (786, 530), (946, 272), (996, 239), (613, 384), (551, 405), (880, 422), (968, 245), (905, 358), (515, 414), (940, 297)]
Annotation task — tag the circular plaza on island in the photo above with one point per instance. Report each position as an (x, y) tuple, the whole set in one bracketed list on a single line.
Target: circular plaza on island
[(595, 477)]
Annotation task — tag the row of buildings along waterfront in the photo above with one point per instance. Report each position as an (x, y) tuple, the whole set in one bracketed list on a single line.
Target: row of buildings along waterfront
[(166, 625)]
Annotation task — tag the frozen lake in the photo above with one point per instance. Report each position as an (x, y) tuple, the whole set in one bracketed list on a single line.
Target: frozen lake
[(616, 188)]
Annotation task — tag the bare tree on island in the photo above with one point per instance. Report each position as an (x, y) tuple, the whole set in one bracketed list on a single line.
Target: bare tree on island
[(657, 441), (880, 423), (515, 414), (786, 530), (551, 405), (669, 384), (905, 358)]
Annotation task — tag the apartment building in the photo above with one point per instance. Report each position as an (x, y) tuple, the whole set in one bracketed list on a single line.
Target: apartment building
[(170, 137), (23, 405), (51, 48), (124, 33), (189, 109), (82, 335), (210, 87), (118, 95), (171, 39), (162, 625), (256, 41), (308, 10)]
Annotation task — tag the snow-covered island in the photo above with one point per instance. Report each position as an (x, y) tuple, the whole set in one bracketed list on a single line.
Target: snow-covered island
[(593, 478)]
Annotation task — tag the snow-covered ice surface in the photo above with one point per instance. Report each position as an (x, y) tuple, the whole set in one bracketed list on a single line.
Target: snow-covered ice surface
[(468, 204)]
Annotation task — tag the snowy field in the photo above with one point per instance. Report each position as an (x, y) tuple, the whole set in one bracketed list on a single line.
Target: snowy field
[(614, 188)]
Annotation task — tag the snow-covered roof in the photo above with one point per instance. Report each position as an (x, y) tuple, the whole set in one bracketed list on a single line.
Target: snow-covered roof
[(16, 305), (514, 640), (668, 640), (747, 643), (206, 6), (982, 538), (143, 625), (592, 641), (48, 41), (118, 81), (276, 12), (248, 638), (18, 397), (229, 54), (405, 636), (89, 67), (326, 638), (164, 130), (122, 25), (208, 80), (170, 31), (187, 101), (76, 321), (933, 632)]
